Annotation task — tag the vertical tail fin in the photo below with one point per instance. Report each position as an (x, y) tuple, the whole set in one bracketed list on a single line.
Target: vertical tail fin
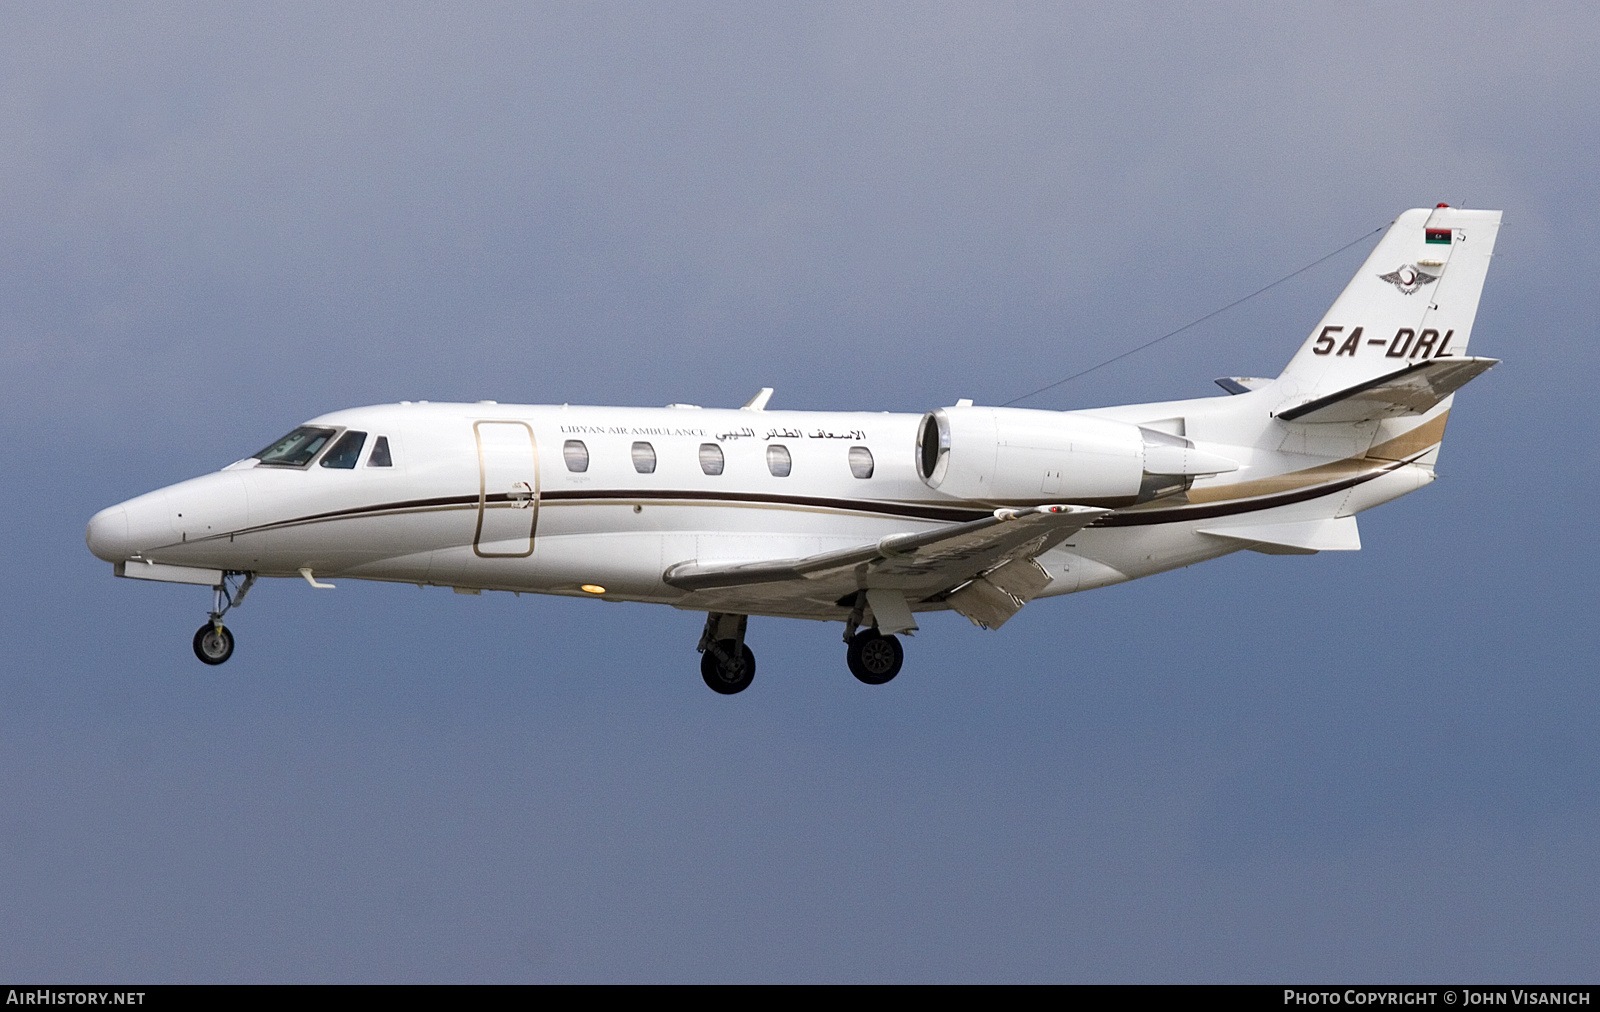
[(1414, 300)]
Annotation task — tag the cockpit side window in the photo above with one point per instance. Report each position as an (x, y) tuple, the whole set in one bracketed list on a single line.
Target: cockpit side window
[(297, 448), (346, 451), (380, 453)]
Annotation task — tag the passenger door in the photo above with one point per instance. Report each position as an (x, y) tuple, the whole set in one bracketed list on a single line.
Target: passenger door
[(508, 490)]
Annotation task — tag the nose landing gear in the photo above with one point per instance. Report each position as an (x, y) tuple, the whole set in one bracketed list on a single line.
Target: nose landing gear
[(213, 643)]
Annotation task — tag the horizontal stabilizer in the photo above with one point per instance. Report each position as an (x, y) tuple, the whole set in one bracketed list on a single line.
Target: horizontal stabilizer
[(1413, 390), (1301, 537), (1241, 384)]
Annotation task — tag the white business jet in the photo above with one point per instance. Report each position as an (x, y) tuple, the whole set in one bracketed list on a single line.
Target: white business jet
[(864, 519)]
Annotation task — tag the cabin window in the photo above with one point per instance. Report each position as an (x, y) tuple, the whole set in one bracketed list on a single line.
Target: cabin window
[(297, 448), (576, 454), (779, 461), (346, 451), (644, 458), (710, 458), (380, 453), (860, 461)]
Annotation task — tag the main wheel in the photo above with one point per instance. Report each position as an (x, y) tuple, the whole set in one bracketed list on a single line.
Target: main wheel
[(873, 657), (213, 643), (728, 667)]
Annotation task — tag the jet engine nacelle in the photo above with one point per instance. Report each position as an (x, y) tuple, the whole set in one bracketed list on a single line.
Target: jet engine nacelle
[(1011, 454)]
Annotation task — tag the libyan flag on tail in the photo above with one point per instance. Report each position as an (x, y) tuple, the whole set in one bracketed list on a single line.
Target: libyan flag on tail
[(1434, 230)]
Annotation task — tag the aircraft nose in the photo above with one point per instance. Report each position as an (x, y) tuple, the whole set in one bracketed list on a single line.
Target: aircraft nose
[(131, 527), (108, 534)]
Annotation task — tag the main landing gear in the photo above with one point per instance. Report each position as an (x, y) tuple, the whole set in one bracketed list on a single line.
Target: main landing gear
[(729, 666), (874, 657), (726, 664), (213, 643)]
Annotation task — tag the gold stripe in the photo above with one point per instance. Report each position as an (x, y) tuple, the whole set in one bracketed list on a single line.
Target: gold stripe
[(1406, 445), (1287, 482), (1411, 443)]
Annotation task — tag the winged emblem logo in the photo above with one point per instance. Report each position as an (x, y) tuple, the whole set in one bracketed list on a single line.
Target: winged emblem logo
[(1408, 278)]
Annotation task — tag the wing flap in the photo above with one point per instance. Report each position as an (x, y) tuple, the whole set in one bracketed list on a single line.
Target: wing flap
[(991, 599), (1412, 390)]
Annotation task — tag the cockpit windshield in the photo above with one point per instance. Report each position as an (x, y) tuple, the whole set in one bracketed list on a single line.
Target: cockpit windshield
[(297, 448)]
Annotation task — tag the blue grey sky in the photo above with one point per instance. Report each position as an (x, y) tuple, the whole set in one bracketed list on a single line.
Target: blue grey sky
[(215, 223)]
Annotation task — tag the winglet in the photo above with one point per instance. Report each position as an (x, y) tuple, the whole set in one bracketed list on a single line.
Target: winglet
[(759, 401), (313, 580)]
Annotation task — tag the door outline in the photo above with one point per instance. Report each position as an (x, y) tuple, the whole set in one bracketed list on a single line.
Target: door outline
[(483, 489)]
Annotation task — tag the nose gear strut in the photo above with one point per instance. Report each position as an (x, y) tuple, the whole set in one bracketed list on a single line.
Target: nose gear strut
[(213, 643)]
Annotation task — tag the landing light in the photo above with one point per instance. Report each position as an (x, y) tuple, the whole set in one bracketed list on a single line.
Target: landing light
[(592, 588)]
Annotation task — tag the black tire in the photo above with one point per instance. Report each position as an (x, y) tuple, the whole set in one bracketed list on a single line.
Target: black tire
[(722, 676), (213, 644), (873, 657)]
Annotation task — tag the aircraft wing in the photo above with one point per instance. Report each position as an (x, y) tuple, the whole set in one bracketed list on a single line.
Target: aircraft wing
[(982, 568)]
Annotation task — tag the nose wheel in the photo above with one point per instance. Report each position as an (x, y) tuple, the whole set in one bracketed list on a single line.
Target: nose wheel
[(213, 643)]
